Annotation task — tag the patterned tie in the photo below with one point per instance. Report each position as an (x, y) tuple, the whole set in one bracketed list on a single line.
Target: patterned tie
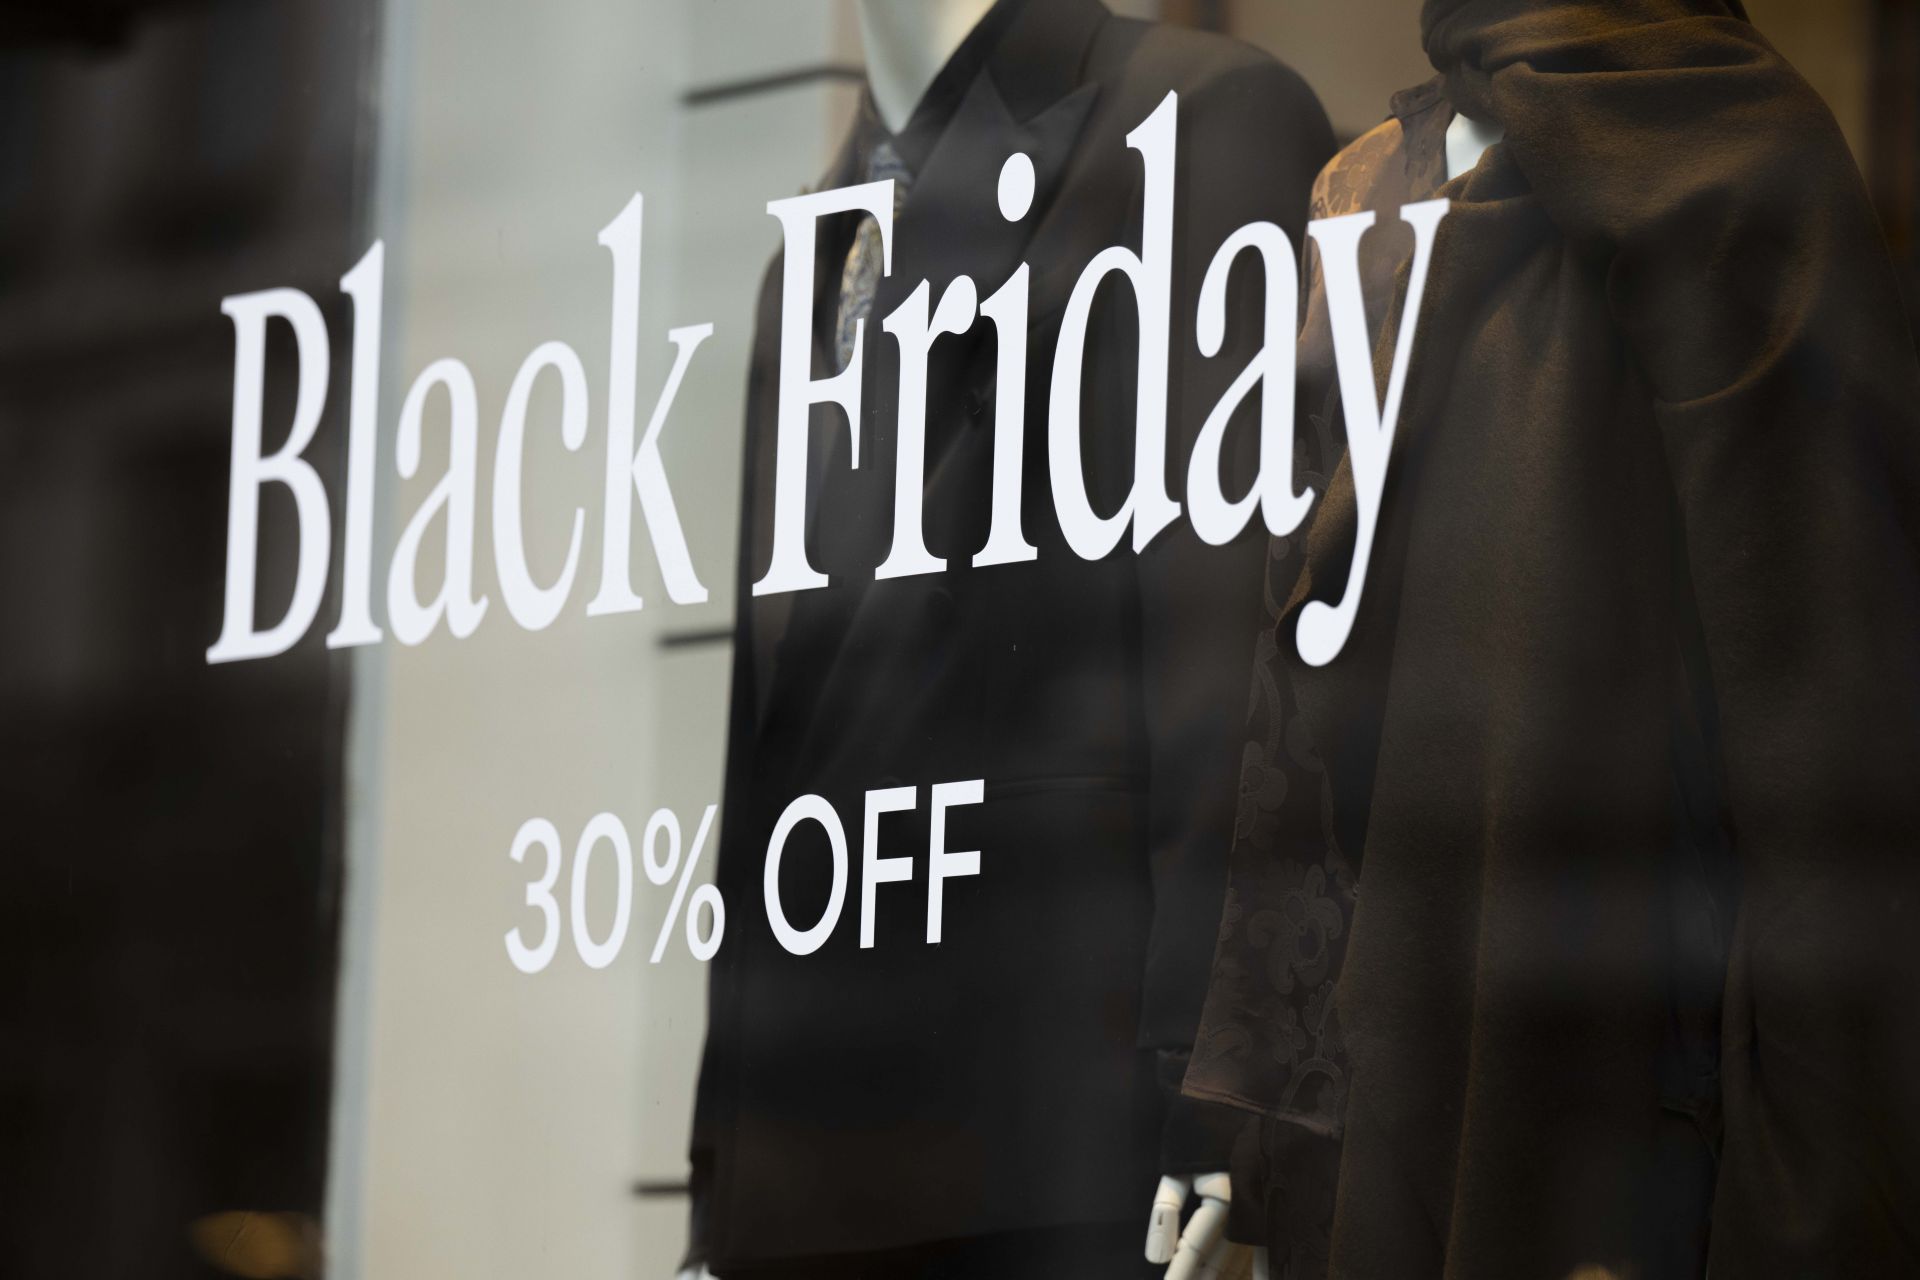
[(861, 277)]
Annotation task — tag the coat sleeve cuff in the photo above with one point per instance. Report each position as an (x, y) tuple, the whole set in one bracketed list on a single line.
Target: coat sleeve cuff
[(1197, 1137)]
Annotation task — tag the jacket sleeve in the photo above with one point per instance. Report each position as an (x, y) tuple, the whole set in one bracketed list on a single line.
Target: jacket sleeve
[(1250, 142)]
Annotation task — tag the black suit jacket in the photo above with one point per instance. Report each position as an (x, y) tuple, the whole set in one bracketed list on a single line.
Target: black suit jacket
[(855, 1099)]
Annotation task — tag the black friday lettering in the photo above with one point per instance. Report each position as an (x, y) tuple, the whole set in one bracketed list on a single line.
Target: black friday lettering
[(635, 471)]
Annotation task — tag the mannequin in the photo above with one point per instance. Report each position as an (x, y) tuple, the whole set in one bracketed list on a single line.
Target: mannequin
[(907, 44)]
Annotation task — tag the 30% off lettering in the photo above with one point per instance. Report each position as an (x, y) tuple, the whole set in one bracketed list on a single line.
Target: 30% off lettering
[(660, 858)]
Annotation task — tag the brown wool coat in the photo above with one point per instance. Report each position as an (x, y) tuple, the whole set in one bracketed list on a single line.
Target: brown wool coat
[(1634, 693)]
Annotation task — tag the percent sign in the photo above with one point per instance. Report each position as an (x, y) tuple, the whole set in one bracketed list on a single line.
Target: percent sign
[(660, 869)]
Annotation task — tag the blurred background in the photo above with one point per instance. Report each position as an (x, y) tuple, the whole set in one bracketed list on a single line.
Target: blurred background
[(259, 1019)]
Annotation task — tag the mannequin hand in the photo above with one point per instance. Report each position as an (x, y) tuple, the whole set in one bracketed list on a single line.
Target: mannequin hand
[(1197, 1252)]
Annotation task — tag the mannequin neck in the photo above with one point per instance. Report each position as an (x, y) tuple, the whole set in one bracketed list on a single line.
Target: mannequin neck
[(1467, 141), (907, 42)]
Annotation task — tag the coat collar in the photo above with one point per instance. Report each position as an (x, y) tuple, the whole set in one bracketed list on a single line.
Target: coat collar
[(1043, 56)]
